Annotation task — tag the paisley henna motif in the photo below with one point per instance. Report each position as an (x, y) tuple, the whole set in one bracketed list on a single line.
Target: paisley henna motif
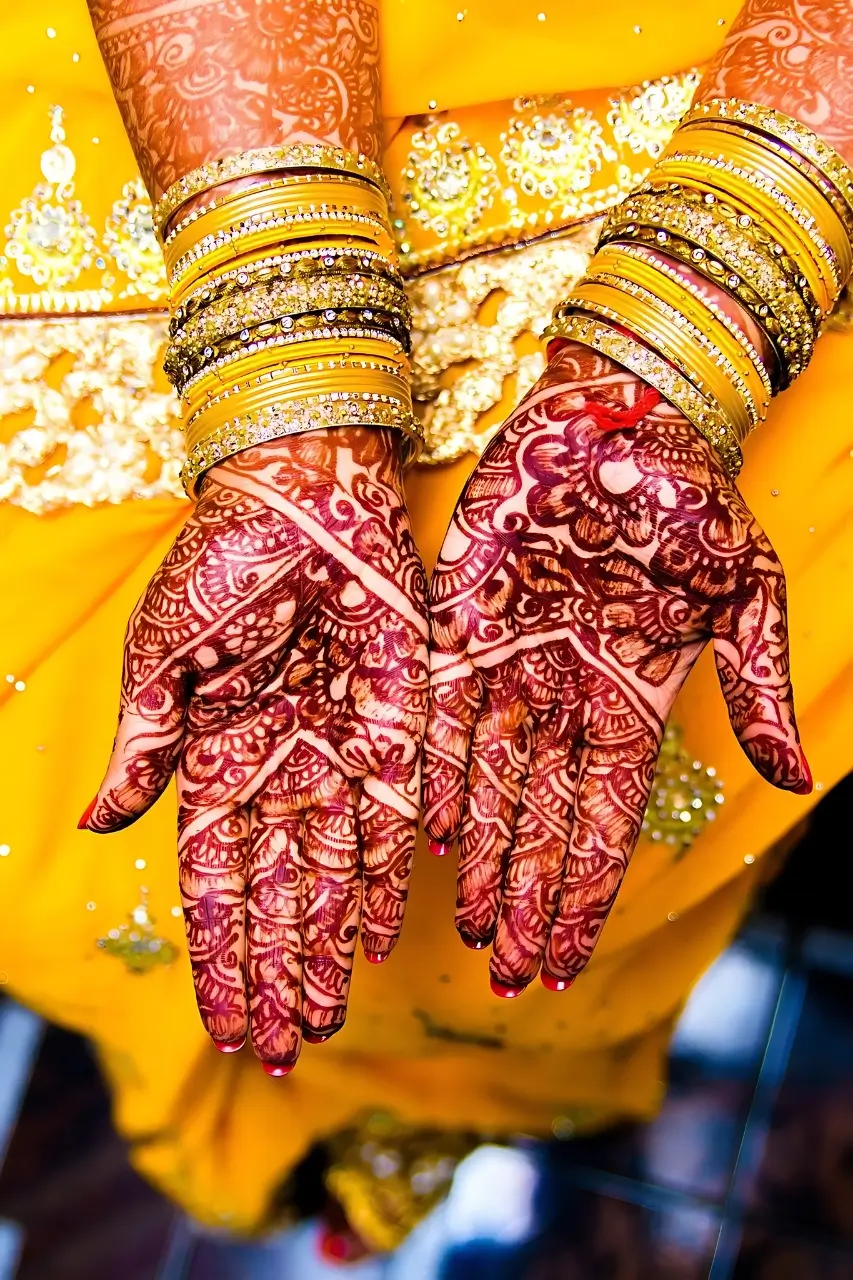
[(278, 661), (795, 56), (200, 79), (598, 546)]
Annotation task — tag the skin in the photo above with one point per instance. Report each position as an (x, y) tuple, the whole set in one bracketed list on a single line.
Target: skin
[(277, 663), (597, 548)]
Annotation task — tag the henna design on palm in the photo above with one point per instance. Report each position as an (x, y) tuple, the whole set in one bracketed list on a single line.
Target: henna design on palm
[(584, 570), (278, 661)]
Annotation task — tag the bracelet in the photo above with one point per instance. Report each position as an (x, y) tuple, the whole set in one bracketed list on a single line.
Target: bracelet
[(706, 417), (791, 133), (710, 323), (668, 334), (294, 155)]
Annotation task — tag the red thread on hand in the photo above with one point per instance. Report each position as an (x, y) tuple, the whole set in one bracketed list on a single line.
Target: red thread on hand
[(621, 417)]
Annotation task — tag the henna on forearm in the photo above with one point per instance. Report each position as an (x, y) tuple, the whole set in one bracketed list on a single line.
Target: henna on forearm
[(585, 568), (795, 56), (196, 80)]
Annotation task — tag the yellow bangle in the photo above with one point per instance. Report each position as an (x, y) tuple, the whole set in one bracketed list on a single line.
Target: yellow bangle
[(645, 363), (275, 159), (789, 132), (669, 333), (722, 332)]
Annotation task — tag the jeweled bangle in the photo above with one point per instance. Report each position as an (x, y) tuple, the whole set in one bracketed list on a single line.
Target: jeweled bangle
[(706, 417), (301, 264), (711, 325), (786, 130), (302, 331), (669, 334), (276, 159), (276, 301), (755, 194)]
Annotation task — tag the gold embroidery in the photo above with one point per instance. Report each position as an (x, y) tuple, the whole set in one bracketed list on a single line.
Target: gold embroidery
[(685, 795), (130, 240), (643, 119), (137, 944), (553, 157), (448, 183)]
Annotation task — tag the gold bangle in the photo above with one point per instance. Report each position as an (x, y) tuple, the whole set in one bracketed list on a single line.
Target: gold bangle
[(726, 143), (280, 300), (670, 335), (653, 369), (337, 226), (301, 264), (744, 188), (245, 207), (296, 380), (276, 159), (634, 266), (748, 253), (785, 129), (308, 329)]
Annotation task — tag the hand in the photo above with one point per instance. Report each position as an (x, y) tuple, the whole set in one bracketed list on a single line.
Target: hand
[(278, 659), (584, 570)]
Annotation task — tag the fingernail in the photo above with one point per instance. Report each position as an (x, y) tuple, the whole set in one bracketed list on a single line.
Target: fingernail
[(377, 957), (473, 944), (804, 788), (505, 993), (555, 984), (319, 1037), (277, 1069), (439, 848), (87, 813), (228, 1046), (333, 1246)]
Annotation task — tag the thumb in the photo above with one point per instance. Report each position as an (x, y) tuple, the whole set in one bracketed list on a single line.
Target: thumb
[(751, 652), (147, 743)]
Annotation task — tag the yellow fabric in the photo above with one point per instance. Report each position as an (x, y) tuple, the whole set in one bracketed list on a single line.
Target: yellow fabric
[(214, 1131)]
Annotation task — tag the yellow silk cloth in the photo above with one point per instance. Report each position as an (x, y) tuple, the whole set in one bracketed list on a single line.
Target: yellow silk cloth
[(424, 1035)]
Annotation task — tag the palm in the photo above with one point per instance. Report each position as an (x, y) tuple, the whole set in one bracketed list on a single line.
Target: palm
[(583, 572), (278, 659)]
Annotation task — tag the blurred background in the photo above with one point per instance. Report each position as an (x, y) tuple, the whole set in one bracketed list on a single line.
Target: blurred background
[(746, 1174)]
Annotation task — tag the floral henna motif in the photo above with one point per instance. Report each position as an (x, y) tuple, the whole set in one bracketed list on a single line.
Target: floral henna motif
[(795, 56), (585, 568), (278, 661), (199, 79)]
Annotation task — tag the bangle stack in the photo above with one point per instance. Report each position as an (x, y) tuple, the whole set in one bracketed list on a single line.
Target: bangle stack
[(756, 204), (287, 308)]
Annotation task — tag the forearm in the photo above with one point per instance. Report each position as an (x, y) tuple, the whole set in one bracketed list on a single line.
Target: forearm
[(196, 80), (795, 56)]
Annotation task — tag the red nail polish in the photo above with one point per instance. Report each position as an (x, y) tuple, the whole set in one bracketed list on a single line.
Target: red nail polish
[(332, 1246), (555, 984), (87, 813), (473, 944), (228, 1046), (377, 957), (318, 1037), (804, 788), (277, 1069), (439, 848), (505, 993)]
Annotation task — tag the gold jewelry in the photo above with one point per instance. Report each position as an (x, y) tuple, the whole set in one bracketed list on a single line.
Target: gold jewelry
[(277, 159), (710, 323), (719, 231), (741, 184), (785, 129), (707, 418), (668, 334)]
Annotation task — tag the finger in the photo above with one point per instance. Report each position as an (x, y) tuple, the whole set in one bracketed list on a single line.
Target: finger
[(455, 696), (388, 824), (150, 729), (751, 653), (534, 875), (212, 851), (612, 789), (274, 933), (499, 759), (331, 907)]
